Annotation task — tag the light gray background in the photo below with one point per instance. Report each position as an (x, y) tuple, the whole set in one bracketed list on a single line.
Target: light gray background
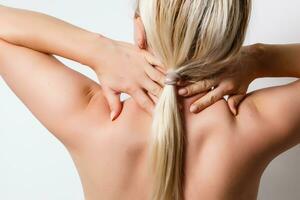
[(35, 166)]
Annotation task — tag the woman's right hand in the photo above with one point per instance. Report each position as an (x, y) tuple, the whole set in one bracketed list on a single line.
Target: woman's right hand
[(123, 67), (234, 82)]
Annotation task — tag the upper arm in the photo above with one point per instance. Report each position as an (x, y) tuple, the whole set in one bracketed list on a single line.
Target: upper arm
[(59, 97), (277, 111)]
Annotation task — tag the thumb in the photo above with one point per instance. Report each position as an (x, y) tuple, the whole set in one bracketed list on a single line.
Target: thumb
[(234, 101), (113, 99)]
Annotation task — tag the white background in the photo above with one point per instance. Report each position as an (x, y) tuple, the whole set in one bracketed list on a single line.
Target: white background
[(35, 166)]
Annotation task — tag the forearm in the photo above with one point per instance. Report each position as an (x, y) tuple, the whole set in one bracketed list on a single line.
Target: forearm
[(278, 60), (49, 35)]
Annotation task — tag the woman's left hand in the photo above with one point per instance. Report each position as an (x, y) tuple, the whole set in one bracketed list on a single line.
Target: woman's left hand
[(234, 82), (123, 67)]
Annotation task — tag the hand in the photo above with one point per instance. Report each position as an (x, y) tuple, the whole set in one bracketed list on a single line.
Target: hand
[(126, 68), (234, 82)]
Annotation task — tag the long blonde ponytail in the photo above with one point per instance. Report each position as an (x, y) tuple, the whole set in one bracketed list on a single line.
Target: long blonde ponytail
[(191, 37), (167, 147)]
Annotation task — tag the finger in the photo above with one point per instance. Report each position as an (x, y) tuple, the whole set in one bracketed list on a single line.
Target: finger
[(143, 100), (152, 59), (155, 74), (113, 99), (183, 83), (151, 87), (207, 100), (162, 69), (196, 88), (154, 98), (234, 101)]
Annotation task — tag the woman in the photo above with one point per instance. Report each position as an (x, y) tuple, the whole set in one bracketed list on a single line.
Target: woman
[(210, 155)]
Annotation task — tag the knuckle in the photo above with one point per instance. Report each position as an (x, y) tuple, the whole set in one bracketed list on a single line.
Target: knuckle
[(205, 84), (212, 99), (126, 87), (161, 79), (148, 57), (132, 88), (155, 90), (144, 103), (155, 77), (197, 87), (194, 88)]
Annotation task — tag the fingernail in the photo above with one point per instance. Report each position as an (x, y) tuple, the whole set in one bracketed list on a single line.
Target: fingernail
[(182, 91), (194, 108), (112, 115)]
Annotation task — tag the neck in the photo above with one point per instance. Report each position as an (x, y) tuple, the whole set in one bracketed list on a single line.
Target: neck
[(185, 102)]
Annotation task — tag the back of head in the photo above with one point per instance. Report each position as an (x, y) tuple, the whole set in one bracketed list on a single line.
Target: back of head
[(190, 37)]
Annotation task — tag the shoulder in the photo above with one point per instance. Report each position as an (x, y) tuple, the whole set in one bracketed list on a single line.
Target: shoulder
[(94, 119), (268, 119), (132, 123)]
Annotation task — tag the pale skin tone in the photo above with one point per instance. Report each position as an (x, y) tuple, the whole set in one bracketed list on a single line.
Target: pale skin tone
[(145, 78), (226, 154)]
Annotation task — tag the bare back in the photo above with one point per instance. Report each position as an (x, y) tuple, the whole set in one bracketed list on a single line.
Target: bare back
[(225, 155)]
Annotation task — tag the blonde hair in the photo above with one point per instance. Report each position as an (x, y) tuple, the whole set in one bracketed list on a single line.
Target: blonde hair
[(191, 37)]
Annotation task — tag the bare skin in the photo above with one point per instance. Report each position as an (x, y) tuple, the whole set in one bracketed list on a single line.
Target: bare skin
[(226, 154), (108, 58)]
